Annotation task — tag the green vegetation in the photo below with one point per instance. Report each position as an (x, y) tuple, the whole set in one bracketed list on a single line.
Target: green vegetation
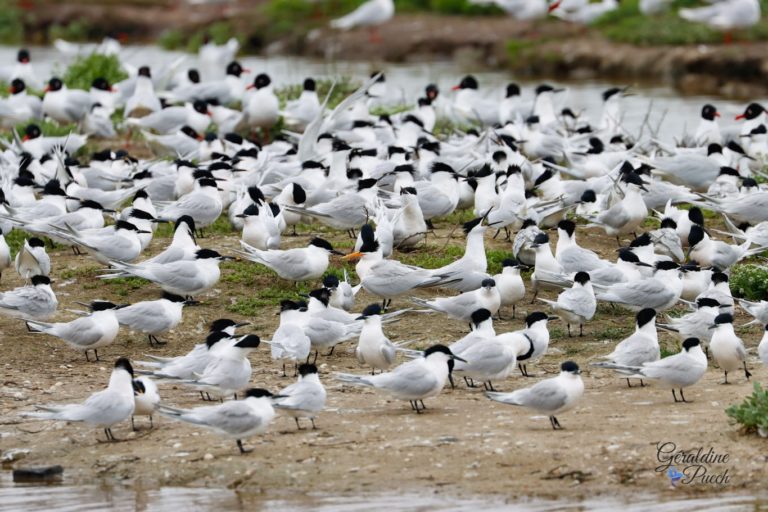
[(752, 413), (342, 87), (243, 272), (123, 286), (77, 30), (610, 332), (78, 272), (666, 351), (84, 70), (628, 25), (749, 282), (269, 297), (11, 26), (219, 32), (15, 240), (49, 128)]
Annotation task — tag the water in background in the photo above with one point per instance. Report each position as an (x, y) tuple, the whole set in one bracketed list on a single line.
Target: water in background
[(676, 113)]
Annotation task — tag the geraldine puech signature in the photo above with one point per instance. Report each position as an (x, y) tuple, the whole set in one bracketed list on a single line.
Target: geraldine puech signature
[(693, 466)]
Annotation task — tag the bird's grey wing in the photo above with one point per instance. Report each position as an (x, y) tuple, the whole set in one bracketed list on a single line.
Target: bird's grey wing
[(99, 406), (669, 367), (176, 275), (634, 351), (639, 291), (580, 260), (300, 396), (27, 298), (407, 379), (188, 203), (388, 351), (232, 417), (483, 356), (546, 396), (578, 301), (26, 258), (615, 217), (143, 315), (166, 120), (82, 332), (169, 255)]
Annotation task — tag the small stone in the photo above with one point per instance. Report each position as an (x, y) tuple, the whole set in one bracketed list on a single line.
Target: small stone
[(208, 456), (38, 474), (14, 455)]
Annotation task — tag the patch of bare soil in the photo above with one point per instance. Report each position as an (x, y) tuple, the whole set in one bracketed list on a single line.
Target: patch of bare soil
[(366, 442)]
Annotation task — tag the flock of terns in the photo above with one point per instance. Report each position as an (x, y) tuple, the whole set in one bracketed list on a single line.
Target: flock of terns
[(525, 169), (722, 15)]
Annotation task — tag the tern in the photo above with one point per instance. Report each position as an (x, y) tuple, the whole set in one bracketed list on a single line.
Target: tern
[(153, 317), (86, 333), (185, 277), (414, 380), (726, 347), (551, 396), (146, 399), (301, 264), (37, 301), (237, 419), (576, 304), (639, 348), (304, 398), (103, 409)]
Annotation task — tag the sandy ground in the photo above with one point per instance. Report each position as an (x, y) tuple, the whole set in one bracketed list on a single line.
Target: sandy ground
[(365, 442)]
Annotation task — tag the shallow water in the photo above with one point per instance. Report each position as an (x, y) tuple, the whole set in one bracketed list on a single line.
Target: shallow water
[(674, 113), (681, 112), (65, 498)]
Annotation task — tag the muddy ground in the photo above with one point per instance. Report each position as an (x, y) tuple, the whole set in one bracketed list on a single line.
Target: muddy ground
[(365, 442)]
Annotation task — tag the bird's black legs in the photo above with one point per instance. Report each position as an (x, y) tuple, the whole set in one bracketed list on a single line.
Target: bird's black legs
[(523, 370), (313, 423), (746, 372), (488, 386), (469, 382), (331, 352), (298, 425), (242, 450), (415, 406), (555, 423), (682, 396), (153, 339), (726, 377)]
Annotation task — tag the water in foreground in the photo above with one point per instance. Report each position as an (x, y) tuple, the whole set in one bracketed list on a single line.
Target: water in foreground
[(117, 498)]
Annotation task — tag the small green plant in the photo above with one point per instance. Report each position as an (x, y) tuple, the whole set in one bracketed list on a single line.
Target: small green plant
[(628, 25), (243, 272), (11, 23), (125, 285), (171, 39), (49, 128), (269, 298), (749, 282), (752, 413), (343, 86), (15, 240), (84, 70), (77, 30)]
